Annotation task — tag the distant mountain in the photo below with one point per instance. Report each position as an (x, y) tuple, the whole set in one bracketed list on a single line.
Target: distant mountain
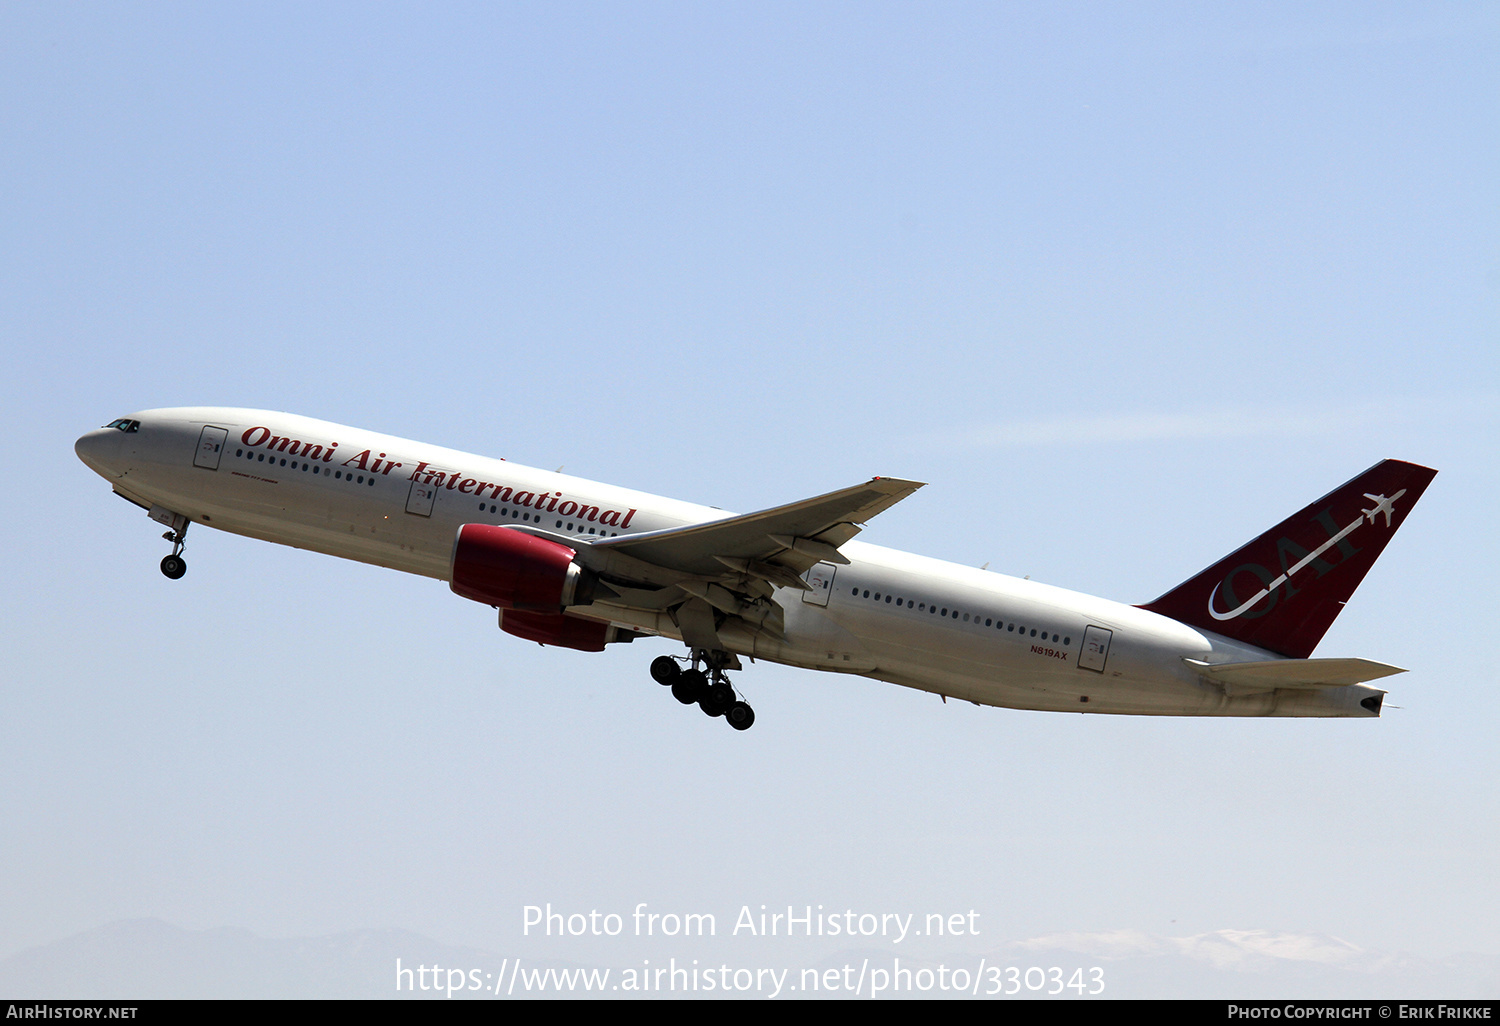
[(1257, 964), (147, 958)]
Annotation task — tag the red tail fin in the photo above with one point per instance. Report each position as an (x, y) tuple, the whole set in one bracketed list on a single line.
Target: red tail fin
[(1283, 590)]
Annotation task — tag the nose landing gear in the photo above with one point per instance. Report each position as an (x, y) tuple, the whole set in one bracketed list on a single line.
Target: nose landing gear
[(173, 566), (710, 691)]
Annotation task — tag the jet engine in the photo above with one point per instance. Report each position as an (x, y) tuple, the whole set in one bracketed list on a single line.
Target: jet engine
[(563, 631), (510, 569)]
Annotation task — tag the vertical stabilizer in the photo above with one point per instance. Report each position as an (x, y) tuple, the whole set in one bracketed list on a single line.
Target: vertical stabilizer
[(1283, 590)]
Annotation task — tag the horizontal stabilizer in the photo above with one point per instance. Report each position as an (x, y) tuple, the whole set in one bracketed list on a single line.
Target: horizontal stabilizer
[(1293, 673)]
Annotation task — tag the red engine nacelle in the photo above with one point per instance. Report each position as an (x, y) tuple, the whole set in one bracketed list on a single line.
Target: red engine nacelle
[(513, 570), (559, 630)]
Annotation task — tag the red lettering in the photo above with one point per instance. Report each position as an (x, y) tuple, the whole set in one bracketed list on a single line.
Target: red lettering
[(425, 474), (246, 436)]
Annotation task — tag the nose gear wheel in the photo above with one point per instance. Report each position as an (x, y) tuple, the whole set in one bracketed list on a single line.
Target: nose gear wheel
[(174, 566)]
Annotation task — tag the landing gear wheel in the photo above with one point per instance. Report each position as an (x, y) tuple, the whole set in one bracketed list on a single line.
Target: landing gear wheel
[(716, 698), (664, 670), (689, 686), (740, 716), (174, 566)]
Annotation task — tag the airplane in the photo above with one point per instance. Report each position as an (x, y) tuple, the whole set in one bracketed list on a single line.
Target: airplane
[(582, 565)]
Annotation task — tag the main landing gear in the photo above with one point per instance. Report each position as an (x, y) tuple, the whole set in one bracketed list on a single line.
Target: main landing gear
[(710, 691)]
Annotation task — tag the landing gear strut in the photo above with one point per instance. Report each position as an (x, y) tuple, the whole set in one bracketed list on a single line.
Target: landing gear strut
[(173, 566), (710, 691)]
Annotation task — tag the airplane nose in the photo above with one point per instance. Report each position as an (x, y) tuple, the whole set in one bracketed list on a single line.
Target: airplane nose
[(100, 451)]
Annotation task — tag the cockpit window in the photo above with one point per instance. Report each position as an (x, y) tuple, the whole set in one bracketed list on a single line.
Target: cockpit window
[(126, 425)]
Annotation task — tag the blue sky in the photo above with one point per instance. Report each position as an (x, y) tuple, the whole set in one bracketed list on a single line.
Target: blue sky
[(1127, 284)]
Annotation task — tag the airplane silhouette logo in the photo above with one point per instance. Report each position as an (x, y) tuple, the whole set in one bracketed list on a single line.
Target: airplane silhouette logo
[(1383, 505)]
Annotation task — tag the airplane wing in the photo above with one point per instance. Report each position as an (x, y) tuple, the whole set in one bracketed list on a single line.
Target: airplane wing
[(731, 567), (793, 537)]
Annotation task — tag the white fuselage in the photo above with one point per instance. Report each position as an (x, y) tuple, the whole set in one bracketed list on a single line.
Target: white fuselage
[(889, 615)]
